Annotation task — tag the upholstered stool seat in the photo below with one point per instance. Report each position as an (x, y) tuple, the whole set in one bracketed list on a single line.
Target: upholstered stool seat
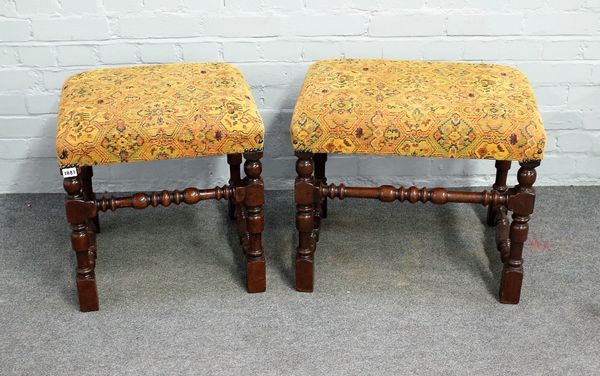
[(421, 109), (147, 113), (156, 112), (418, 109)]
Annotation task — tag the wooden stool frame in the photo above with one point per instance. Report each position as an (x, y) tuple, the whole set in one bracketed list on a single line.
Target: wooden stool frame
[(246, 200), (311, 193)]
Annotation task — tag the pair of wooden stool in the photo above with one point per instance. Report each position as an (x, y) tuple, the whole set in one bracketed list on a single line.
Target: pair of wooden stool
[(375, 107)]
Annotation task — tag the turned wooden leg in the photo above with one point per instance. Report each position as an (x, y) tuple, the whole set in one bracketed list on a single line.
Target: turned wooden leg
[(79, 213), (320, 160), (88, 195), (253, 202), (521, 203), (234, 161), (304, 195), (502, 168), (87, 173), (503, 234)]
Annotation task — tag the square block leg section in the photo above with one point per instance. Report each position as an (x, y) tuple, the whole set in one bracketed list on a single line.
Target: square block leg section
[(510, 286), (88, 295), (304, 275), (256, 270)]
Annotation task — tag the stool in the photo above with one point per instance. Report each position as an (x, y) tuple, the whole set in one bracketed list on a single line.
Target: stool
[(418, 109), (147, 113)]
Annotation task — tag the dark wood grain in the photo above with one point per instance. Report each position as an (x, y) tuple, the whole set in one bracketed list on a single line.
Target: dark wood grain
[(320, 178), (79, 213), (245, 198), (306, 196), (87, 173), (235, 180), (503, 234), (502, 168), (254, 198), (310, 189), (521, 203), (142, 200), (388, 193)]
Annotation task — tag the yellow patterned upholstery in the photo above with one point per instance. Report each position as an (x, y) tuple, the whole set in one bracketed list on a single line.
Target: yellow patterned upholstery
[(423, 109), (155, 112)]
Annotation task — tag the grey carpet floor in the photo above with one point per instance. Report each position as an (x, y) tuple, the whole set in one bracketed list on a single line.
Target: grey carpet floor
[(400, 289)]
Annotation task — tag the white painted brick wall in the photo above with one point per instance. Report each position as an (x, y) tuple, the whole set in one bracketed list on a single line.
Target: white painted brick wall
[(158, 53), (75, 55), (555, 42)]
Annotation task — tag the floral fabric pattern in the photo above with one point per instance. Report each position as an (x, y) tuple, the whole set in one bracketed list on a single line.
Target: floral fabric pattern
[(145, 113), (421, 109)]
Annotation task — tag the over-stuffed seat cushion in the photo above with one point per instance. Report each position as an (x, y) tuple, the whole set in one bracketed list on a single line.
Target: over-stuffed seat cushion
[(423, 109), (156, 112)]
